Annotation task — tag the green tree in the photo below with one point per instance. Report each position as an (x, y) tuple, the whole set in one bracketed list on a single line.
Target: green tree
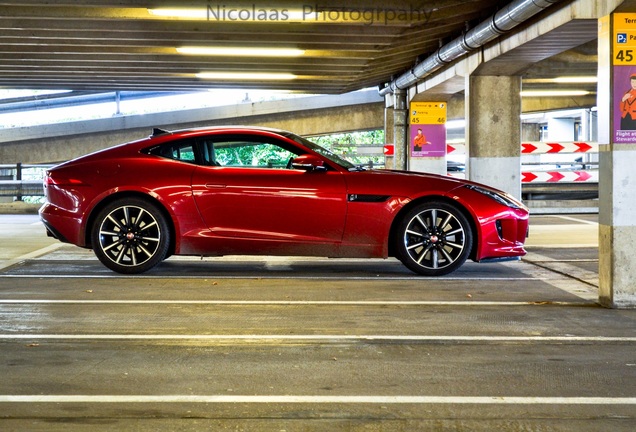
[(346, 145)]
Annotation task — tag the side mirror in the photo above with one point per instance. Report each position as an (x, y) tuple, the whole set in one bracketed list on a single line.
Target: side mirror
[(308, 162)]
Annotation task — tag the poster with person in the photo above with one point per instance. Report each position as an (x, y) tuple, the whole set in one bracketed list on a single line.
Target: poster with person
[(428, 129)]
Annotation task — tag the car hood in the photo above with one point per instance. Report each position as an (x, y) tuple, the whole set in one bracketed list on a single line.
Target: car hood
[(407, 183)]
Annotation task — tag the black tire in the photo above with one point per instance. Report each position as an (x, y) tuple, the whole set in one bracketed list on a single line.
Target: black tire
[(434, 239), (130, 236)]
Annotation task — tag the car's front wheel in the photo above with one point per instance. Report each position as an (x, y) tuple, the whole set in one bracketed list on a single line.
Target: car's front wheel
[(130, 235), (434, 239)]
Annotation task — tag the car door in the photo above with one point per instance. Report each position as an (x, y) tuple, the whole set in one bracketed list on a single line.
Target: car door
[(248, 190)]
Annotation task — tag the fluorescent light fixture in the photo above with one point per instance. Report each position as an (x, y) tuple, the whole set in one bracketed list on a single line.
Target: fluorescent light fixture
[(553, 93), (546, 115), (302, 15), (200, 13), (239, 76), (562, 80), (576, 79), (227, 14), (241, 52)]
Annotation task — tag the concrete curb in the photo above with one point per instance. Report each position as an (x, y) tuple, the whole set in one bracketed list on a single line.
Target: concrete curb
[(19, 207)]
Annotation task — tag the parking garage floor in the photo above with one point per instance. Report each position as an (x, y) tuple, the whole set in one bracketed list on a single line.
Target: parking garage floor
[(294, 344)]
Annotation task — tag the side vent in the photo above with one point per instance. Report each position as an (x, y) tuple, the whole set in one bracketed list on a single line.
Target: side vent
[(368, 198)]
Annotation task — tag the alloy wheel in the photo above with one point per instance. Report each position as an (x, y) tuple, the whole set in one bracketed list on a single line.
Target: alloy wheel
[(129, 236), (435, 239)]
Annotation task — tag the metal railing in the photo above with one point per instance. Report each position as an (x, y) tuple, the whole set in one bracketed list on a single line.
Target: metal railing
[(22, 180)]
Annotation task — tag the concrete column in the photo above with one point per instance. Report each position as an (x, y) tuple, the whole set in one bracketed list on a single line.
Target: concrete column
[(493, 131), (400, 130), (617, 191), (530, 132), (388, 132)]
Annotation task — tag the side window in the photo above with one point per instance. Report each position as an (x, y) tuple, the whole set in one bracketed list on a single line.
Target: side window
[(178, 150), (229, 151), (251, 154), (184, 153)]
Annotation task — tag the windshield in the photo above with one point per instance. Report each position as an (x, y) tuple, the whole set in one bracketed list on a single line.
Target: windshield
[(322, 151)]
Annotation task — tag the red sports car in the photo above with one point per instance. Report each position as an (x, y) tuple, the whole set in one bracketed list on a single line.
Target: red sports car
[(256, 191)]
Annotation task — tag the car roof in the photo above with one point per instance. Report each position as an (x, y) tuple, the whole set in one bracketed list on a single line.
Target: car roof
[(228, 128), (160, 136)]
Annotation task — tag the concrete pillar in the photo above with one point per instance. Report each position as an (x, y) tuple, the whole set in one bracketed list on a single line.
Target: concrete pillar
[(617, 187), (400, 130), (389, 162), (587, 128), (530, 132), (493, 131)]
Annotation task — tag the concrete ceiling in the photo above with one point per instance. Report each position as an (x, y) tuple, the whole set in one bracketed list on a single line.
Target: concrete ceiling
[(120, 45)]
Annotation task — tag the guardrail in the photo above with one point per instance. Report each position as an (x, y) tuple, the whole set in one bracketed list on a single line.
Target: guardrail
[(21, 188), (20, 180), (560, 177)]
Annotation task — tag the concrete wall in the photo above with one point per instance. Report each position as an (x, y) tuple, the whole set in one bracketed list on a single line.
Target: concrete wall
[(305, 116)]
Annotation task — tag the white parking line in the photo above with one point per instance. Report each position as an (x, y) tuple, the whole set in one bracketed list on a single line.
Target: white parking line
[(310, 399), (31, 255), (342, 277), (318, 337), (299, 302), (583, 221)]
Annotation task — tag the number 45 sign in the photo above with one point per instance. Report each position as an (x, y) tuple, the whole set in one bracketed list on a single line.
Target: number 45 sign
[(624, 39)]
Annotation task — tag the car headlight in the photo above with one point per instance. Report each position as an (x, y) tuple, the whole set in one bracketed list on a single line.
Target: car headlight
[(501, 197)]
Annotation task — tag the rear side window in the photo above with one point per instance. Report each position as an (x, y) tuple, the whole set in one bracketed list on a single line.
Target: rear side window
[(178, 150)]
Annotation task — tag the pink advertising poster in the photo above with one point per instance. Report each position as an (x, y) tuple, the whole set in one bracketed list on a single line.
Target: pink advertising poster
[(428, 129), (625, 101)]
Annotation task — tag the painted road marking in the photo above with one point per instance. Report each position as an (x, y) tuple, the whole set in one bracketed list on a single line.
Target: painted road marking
[(309, 399), (31, 255), (321, 337), (342, 277), (300, 302), (583, 221)]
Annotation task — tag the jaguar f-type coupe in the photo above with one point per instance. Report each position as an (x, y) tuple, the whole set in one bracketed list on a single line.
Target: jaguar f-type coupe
[(256, 191)]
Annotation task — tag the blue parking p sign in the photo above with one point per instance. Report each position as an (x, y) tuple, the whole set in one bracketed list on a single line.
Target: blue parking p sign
[(621, 38)]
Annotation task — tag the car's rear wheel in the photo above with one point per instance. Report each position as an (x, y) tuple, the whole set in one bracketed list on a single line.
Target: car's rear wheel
[(130, 235), (434, 239)]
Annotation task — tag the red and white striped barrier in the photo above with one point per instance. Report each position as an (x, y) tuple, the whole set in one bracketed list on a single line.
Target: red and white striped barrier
[(559, 176), (539, 147)]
